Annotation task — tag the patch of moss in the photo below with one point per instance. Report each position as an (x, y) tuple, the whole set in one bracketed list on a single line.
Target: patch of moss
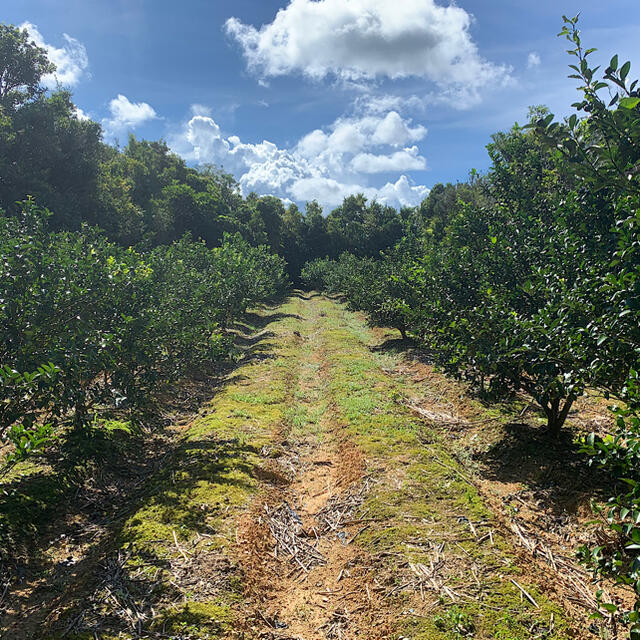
[(430, 502), (207, 619), (211, 477)]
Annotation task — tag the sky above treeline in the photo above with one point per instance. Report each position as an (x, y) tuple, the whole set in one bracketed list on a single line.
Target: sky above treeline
[(318, 99)]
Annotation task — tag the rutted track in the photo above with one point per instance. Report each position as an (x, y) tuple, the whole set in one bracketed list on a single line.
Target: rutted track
[(306, 577), (305, 502), (371, 532)]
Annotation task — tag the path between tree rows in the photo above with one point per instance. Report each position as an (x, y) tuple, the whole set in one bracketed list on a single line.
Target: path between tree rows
[(306, 501)]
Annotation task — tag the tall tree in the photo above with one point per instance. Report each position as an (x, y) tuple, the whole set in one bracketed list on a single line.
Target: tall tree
[(22, 65)]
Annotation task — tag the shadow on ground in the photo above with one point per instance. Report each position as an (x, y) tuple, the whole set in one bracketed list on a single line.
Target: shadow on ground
[(80, 500), (309, 294), (553, 468), (249, 341), (523, 452), (255, 322), (405, 346)]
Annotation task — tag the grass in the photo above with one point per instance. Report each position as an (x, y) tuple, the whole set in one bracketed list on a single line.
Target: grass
[(204, 480), (210, 479), (293, 386), (424, 502)]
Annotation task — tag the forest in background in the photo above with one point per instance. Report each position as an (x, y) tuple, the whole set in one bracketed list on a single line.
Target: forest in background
[(124, 268), (144, 194)]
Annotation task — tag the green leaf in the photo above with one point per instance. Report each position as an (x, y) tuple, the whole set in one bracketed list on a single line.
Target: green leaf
[(614, 63), (629, 103), (624, 70)]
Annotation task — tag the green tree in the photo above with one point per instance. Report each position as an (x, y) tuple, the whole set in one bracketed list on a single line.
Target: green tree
[(55, 157), (22, 65), (315, 232)]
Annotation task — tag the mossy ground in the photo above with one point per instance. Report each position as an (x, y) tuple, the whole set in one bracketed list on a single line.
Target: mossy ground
[(424, 502), (208, 480), (183, 519)]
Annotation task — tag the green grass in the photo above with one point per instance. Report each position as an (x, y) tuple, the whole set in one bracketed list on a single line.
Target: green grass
[(429, 504), (308, 385)]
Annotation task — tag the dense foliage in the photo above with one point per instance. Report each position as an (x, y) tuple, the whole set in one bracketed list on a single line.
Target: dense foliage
[(528, 279), (123, 269), (86, 324)]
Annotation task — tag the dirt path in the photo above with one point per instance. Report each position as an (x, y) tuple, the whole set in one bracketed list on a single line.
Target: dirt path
[(376, 532), (305, 577), (306, 501)]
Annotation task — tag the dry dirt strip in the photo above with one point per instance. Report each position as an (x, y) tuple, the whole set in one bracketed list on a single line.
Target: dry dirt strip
[(306, 501), (374, 534)]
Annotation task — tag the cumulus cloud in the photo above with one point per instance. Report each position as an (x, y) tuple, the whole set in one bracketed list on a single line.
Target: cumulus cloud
[(533, 60), (127, 115), (330, 192), (405, 160), (71, 59), (403, 192), (206, 140), (364, 40), (351, 135), (325, 165), (81, 115)]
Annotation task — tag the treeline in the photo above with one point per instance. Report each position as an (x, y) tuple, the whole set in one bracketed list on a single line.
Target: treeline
[(90, 329), (146, 195), (528, 280), (121, 271), (122, 268), (126, 267), (143, 194)]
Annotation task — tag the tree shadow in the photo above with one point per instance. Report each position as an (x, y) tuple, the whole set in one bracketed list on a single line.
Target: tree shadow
[(249, 341), (171, 499), (298, 293), (102, 483), (396, 346), (554, 468), (255, 322), (212, 461), (408, 347)]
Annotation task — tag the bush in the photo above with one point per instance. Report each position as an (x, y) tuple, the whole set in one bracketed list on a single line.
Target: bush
[(112, 325)]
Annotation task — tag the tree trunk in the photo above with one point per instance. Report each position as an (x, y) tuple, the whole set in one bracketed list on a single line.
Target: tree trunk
[(557, 413), (403, 332)]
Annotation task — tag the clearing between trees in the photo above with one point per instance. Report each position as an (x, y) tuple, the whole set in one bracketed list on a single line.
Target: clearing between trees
[(333, 487)]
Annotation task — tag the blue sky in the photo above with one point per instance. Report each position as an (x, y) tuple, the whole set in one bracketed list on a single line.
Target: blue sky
[(315, 99)]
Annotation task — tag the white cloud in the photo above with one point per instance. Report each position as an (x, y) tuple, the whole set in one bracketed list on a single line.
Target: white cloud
[(405, 160), (327, 191), (377, 104), (351, 135), (204, 136), (81, 115), (325, 165), (364, 40), (200, 110), (330, 192), (71, 59), (403, 192), (533, 60), (393, 130), (127, 115)]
